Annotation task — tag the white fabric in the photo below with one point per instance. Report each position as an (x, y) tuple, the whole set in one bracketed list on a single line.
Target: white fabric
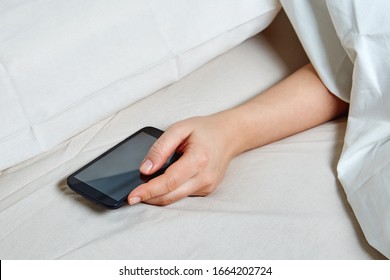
[(349, 44), (64, 65), (281, 201)]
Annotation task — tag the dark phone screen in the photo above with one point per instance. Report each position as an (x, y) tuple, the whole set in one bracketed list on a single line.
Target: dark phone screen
[(117, 173)]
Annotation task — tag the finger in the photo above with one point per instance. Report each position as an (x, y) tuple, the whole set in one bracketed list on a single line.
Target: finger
[(163, 148), (185, 190), (196, 186), (204, 191), (178, 173)]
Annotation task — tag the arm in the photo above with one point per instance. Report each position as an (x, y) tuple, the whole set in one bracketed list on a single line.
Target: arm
[(299, 102), (208, 144)]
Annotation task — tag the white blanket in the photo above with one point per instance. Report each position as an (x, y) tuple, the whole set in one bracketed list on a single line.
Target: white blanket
[(349, 44)]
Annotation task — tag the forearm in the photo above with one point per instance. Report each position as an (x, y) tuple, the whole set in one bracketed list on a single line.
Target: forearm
[(297, 103)]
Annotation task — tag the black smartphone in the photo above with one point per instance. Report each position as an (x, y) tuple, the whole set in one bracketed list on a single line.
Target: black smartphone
[(108, 179)]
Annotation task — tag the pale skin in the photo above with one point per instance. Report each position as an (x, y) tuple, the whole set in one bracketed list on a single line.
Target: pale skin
[(209, 143)]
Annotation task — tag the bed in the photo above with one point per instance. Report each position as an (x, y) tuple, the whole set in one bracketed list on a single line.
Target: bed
[(280, 201)]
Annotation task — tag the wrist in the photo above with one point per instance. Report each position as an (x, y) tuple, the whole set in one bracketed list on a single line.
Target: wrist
[(230, 125)]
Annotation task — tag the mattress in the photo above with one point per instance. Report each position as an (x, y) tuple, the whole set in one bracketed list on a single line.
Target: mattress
[(280, 201)]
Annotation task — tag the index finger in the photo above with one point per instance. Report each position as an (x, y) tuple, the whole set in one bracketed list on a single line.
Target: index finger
[(163, 148)]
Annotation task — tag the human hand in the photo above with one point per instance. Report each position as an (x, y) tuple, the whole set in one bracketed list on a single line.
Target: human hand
[(204, 146)]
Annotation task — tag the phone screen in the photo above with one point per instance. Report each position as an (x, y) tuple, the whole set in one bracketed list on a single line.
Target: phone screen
[(110, 178), (117, 173)]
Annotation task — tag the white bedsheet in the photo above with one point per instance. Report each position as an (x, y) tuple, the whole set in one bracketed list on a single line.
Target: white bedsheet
[(282, 201)]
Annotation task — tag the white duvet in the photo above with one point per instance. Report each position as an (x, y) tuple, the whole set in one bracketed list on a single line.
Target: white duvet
[(349, 44)]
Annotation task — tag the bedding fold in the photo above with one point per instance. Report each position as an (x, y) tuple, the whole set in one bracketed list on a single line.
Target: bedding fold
[(332, 31)]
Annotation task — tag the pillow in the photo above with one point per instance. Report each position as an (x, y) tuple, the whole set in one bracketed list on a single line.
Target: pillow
[(65, 65)]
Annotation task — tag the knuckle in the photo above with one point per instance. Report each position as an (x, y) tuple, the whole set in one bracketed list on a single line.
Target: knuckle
[(170, 182), (204, 192), (202, 159), (208, 179), (158, 148), (209, 182), (177, 126), (165, 200), (207, 190), (147, 194), (178, 129)]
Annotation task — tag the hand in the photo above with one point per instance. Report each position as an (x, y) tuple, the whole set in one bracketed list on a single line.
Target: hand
[(204, 146)]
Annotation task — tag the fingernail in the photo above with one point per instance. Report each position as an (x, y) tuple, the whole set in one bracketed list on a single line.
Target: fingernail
[(146, 166), (134, 200)]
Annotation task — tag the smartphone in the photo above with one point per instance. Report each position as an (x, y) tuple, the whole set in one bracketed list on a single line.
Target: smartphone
[(108, 179)]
